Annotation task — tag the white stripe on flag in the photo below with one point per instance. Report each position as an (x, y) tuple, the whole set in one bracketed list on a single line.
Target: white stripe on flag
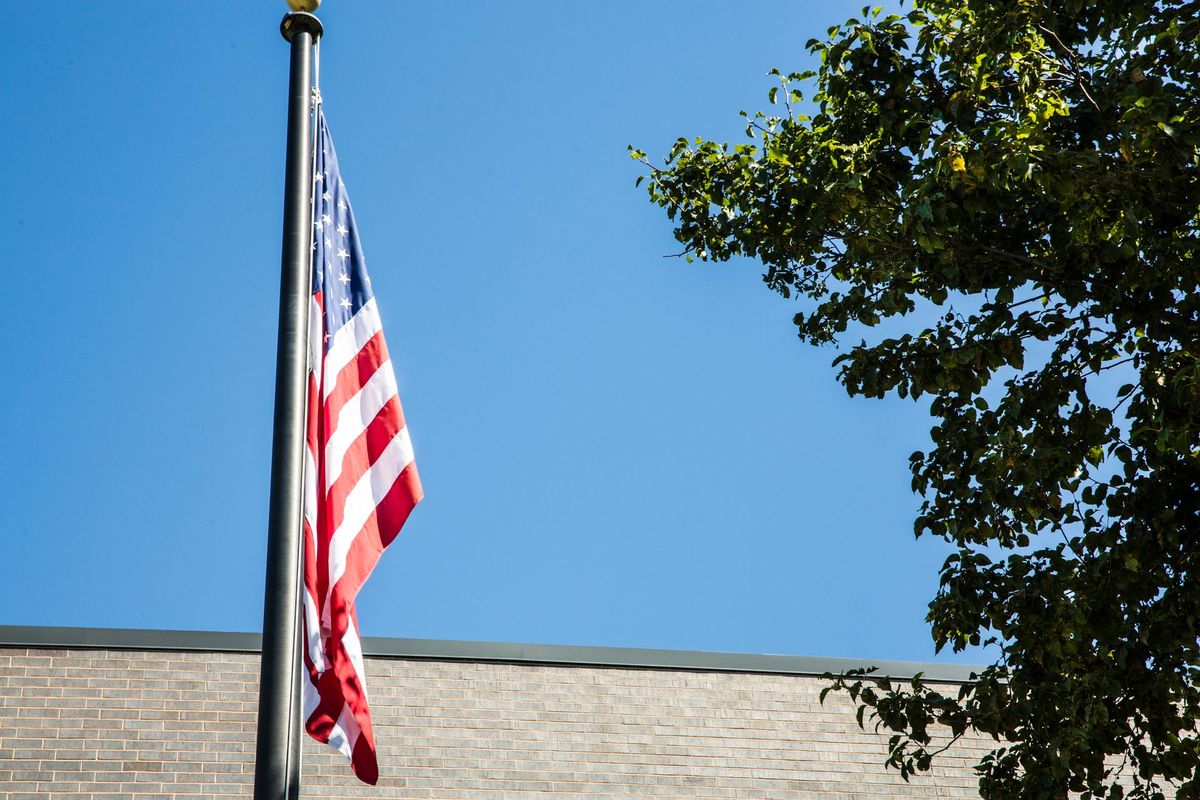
[(364, 497), (315, 324), (310, 698), (354, 417), (348, 340), (312, 633), (345, 732), (353, 647)]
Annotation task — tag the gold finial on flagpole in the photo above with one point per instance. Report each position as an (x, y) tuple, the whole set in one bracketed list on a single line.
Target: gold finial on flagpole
[(303, 5)]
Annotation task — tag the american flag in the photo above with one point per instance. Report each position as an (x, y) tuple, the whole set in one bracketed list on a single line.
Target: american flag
[(360, 478)]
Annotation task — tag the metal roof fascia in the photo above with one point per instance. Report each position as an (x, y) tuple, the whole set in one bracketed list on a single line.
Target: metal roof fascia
[(453, 650)]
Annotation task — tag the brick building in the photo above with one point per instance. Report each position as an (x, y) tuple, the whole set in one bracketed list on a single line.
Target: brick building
[(92, 713)]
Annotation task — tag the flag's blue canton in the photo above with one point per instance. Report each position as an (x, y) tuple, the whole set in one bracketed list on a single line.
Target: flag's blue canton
[(339, 270)]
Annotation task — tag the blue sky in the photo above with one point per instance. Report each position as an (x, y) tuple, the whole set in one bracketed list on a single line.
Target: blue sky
[(617, 448)]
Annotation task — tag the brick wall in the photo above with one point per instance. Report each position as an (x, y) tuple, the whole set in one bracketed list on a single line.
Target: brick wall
[(77, 723)]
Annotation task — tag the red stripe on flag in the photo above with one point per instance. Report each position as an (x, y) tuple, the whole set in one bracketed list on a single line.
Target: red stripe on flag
[(361, 456), (378, 532), (351, 686), (354, 376), (363, 758), (312, 574), (322, 721)]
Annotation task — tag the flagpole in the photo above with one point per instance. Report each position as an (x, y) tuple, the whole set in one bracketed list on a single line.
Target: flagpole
[(277, 757)]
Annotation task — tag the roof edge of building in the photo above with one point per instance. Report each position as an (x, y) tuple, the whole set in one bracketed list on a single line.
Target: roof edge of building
[(36, 636)]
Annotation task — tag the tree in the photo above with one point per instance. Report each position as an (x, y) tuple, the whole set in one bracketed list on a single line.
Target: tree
[(1017, 186)]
